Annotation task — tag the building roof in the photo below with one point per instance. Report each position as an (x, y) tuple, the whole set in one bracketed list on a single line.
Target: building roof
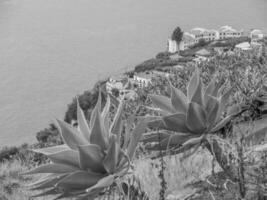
[(198, 30), (144, 75), (243, 46), (188, 36), (226, 28), (203, 52), (256, 31)]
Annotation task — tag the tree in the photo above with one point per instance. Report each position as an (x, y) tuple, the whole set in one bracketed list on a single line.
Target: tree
[(177, 35)]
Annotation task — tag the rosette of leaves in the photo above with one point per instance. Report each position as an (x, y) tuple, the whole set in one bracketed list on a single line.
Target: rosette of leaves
[(92, 158), (186, 119)]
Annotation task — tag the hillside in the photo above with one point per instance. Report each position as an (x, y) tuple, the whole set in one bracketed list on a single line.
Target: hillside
[(196, 174)]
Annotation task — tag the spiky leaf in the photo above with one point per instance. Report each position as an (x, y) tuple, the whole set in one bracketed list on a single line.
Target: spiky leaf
[(163, 103), (135, 137), (111, 159), (82, 122), (102, 183), (176, 122), (51, 150), (193, 84), (67, 157), (79, 180), (70, 135), (53, 168), (91, 157), (98, 133), (196, 118), (117, 121), (179, 100)]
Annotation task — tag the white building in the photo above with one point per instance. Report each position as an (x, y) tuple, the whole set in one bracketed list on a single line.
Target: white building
[(187, 41), (161, 74), (172, 46), (256, 34), (143, 79), (119, 82), (205, 34), (244, 46), (229, 32)]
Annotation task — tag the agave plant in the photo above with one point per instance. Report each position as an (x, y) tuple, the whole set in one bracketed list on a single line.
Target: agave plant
[(92, 158), (186, 121)]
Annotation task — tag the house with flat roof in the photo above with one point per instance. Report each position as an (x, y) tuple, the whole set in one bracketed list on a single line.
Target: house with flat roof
[(187, 41), (118, 82), (256, 34), (143, 79), (229, 32), (205, 34), (244, 46)]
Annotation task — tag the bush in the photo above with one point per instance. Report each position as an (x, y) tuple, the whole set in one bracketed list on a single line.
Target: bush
[(163, 55)]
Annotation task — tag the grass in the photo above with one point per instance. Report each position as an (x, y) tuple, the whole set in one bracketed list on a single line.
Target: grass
[(12, 183)]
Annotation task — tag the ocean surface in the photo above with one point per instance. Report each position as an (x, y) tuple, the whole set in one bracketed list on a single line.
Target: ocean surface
[(52, 50)]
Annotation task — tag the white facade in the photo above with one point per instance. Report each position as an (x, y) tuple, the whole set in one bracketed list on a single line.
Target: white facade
[(172, 46), (229, 32), (142, 80), (244, 46), (187, 41), (205, 34), (256, 34)]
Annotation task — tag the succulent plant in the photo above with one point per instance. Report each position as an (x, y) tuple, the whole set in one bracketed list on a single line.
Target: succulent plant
[(92, 158), (186, 120)]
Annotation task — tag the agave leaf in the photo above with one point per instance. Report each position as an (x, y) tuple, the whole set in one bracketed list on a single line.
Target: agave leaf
[(105, 113), (52, 168), (196, 118), (211, 104), (154, 122), (51, 150), (82, 122), (102, 183), (135, 137), (97, 109), (117, 121), (70, 135), (210, 89), (190, 144), (155, 136), (67, 194), (111, 159), (52, 191), (223, 100), (88, 196), (212, 108), (67, 157), (178, 100), (174, 140), (222, 123), (126, 138), (176, 122), (79, 180), (98, 133), (193, 84), (91, 157), (198, 94), (163, 103), (49, 182)]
